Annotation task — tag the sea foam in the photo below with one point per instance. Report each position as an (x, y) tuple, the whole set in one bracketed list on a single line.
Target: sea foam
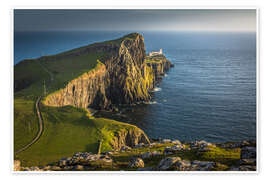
[(156, 89)]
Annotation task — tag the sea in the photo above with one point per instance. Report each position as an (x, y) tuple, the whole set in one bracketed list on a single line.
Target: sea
[(209, 94)]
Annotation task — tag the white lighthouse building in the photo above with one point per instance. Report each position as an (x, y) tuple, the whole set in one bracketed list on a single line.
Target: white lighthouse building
[(153, 53)]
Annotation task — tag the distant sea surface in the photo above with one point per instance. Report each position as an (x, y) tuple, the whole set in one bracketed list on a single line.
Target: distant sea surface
[(210, 94)]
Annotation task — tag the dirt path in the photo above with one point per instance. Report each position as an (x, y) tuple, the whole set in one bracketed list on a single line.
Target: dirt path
[(40, 128)]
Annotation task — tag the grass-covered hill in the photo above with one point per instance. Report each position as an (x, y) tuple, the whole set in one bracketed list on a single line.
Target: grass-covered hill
[(67, 129)]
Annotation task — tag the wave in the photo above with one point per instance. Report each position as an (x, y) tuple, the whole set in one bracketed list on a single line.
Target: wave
[(156, 89), (165, 75), (151, 102)]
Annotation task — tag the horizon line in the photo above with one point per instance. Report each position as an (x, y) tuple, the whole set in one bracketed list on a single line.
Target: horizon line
[(134, 31)]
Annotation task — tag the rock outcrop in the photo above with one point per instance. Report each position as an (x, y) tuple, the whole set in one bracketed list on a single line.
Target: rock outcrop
[(124, 76), (152, 157), (136, 163), (130, 137)]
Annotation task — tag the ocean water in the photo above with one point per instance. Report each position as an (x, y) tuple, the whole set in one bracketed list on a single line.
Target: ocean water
[(210, 94)]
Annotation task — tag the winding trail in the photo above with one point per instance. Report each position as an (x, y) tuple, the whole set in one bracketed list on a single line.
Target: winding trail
[(40, 128), (38, 113)]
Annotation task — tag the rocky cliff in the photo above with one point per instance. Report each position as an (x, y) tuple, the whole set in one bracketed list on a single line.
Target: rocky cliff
[(131, 138), (159, 64), (124, 76)]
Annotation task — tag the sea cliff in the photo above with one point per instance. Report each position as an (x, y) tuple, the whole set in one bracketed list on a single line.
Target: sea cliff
[(76, 83), (124, 76)]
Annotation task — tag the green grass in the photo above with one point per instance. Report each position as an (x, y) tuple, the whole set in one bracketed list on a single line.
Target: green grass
[(67, 130), (55, 73), (25, 122), (151, 61), (155, 59), (226, 156)]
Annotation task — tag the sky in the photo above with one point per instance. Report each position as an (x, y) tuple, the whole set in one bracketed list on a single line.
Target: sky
[(230, 20)]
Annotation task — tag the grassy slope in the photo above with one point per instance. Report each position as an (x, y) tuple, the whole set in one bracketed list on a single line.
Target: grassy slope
[(55, 73), (25, 122), (67, 129)]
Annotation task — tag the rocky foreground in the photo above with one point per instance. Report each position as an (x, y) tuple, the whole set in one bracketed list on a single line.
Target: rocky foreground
[(161, 155)]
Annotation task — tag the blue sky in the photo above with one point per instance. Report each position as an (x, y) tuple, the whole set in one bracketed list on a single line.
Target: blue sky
[(234, 20)]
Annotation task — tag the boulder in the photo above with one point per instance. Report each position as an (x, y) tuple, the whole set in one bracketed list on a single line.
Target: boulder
[(202, 165), (247, 168), (136, 163), (63, 162), (146, 155), (203, 149), (125, 148), (153, 144), (230, 145), (150, 154), (34, 168), (47, 168), (17, 165), (182, 165), (68, 168), (164, 141), (109, 152), (176, 142), (248, 143), (78, 168), (55, 168), (174, 149), (105, 158), (139, 145), (248, 161), (156, 153), (167, 163), (248, 152)]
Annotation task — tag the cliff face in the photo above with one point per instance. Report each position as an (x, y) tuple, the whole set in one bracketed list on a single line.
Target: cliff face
[(88, 89), (124, 77), (159, 65), (129, 138)]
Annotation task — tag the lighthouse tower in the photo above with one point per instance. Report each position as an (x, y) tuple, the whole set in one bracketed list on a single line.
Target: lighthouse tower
[(160, 51)]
